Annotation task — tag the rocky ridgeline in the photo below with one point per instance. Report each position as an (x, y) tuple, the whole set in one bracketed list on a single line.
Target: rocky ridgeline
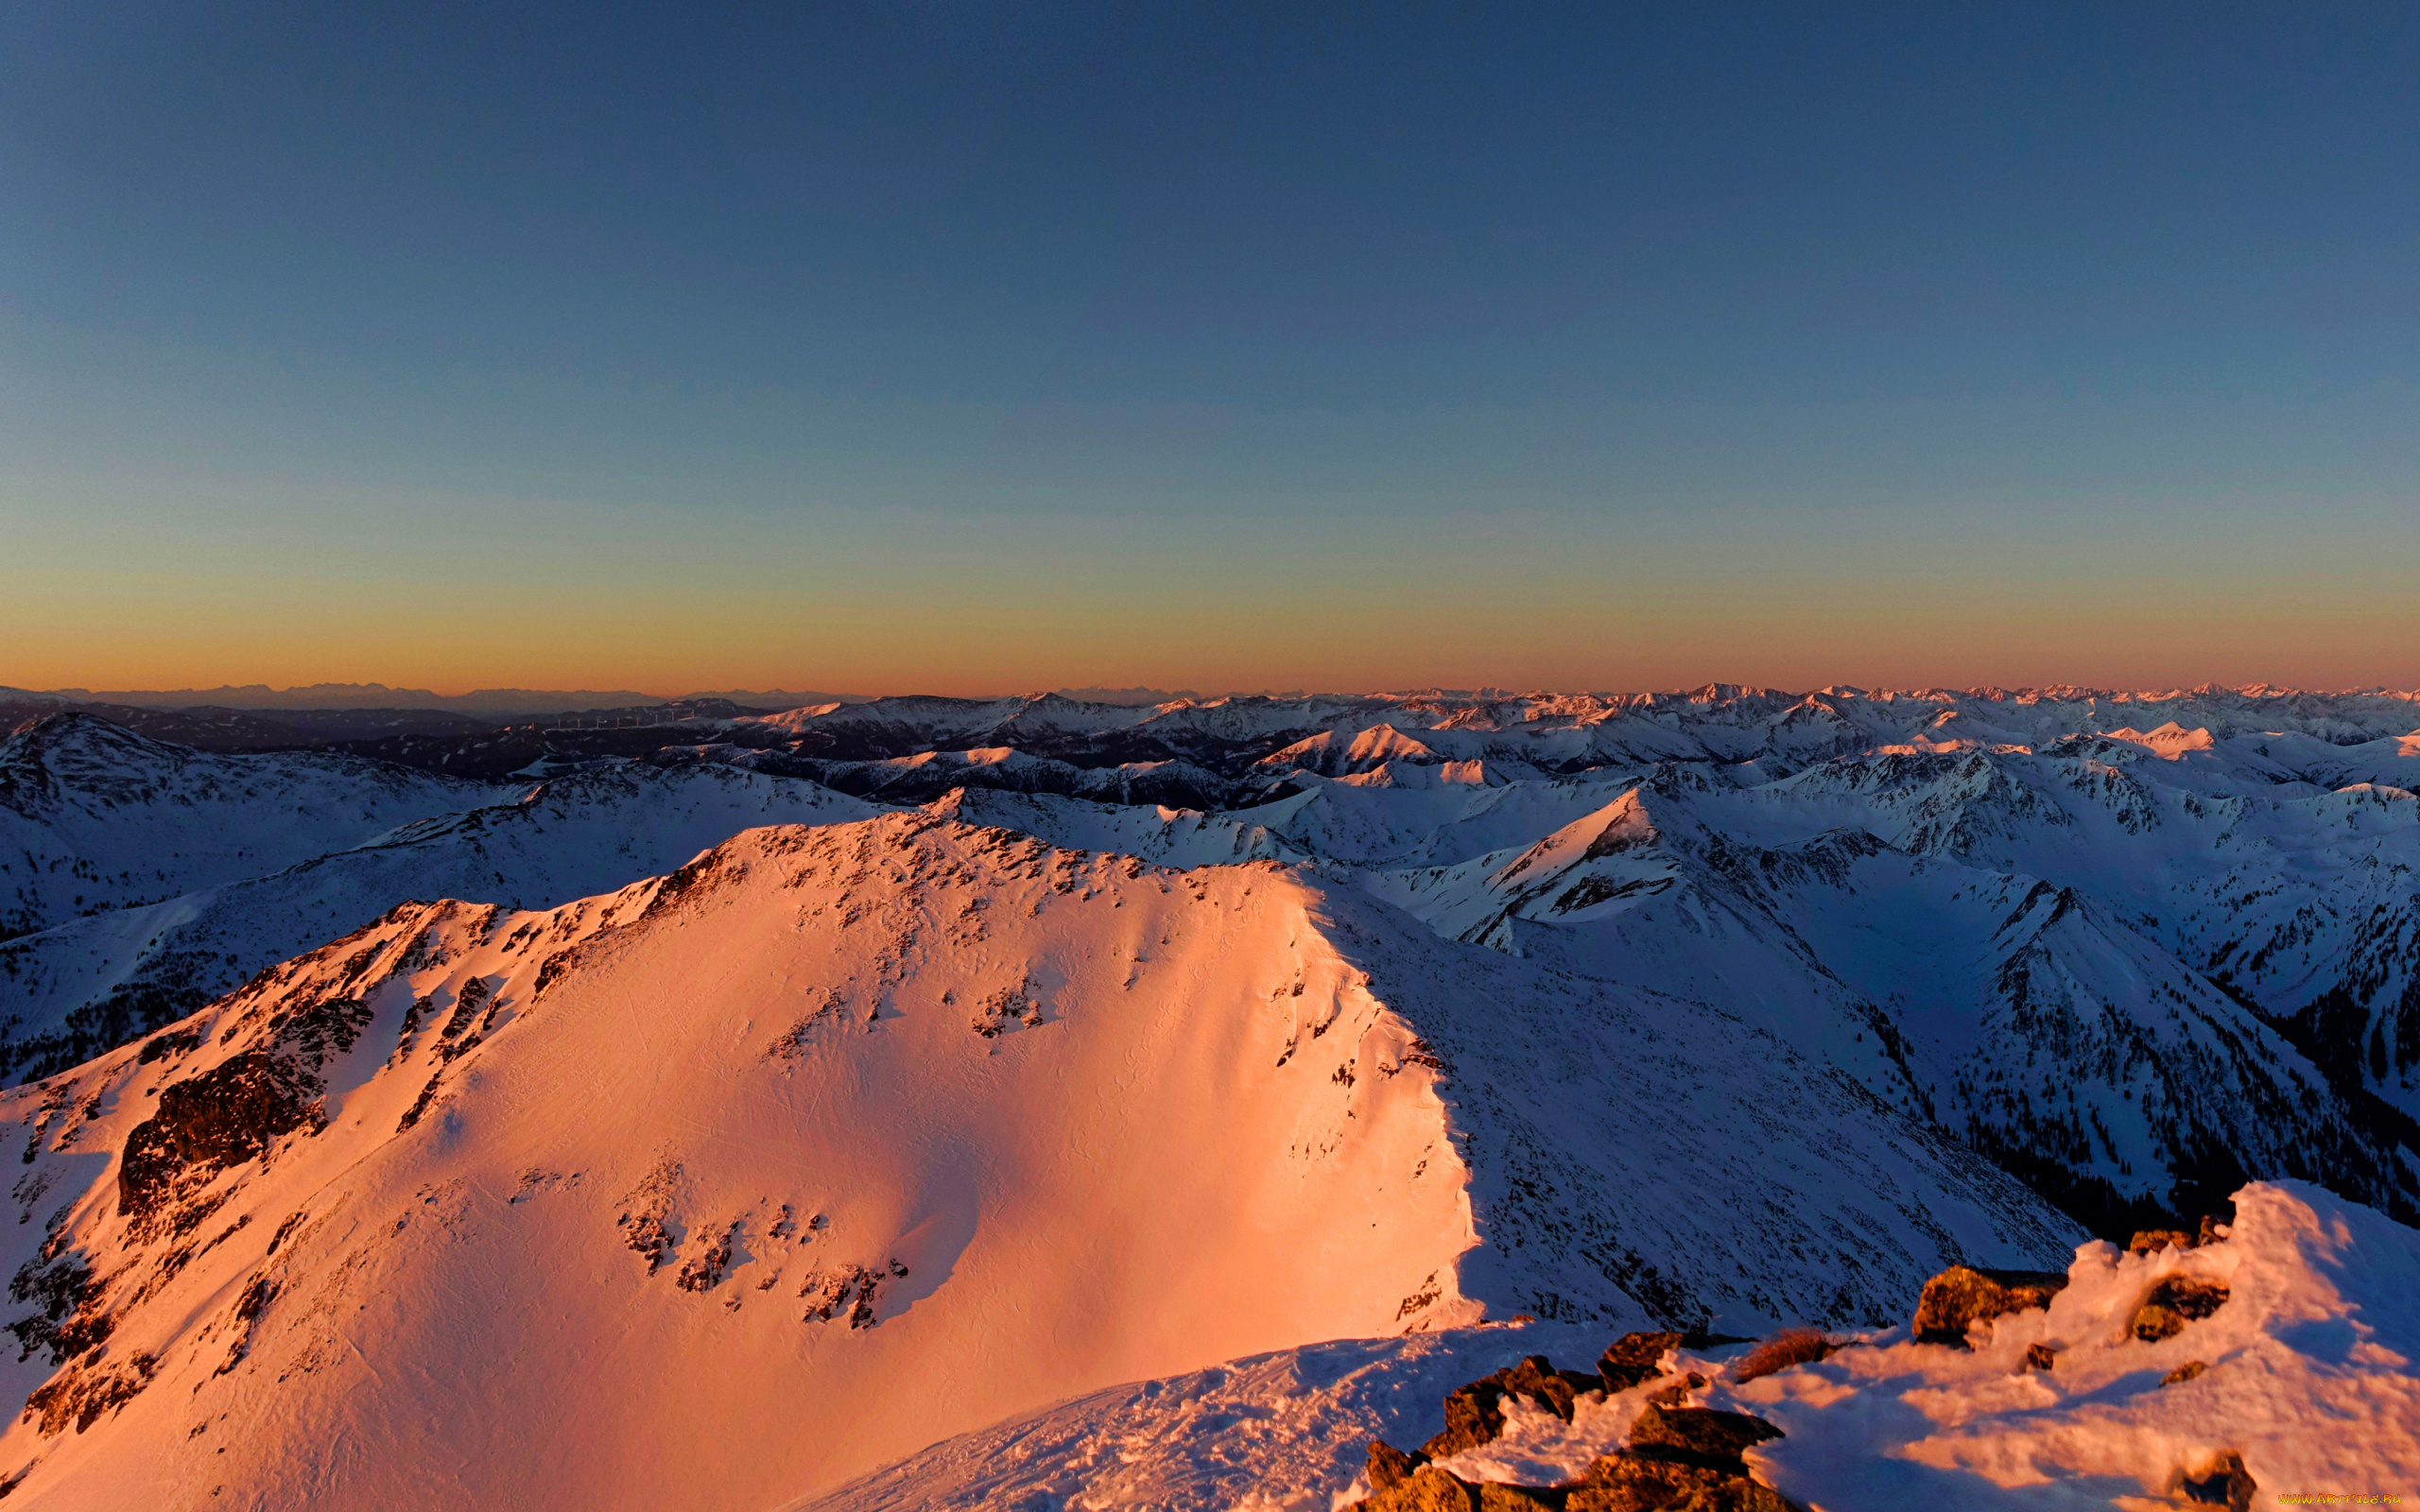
[(1680, 1457)]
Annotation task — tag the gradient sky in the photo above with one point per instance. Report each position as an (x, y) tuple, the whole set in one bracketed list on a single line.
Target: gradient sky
[(962, 347)]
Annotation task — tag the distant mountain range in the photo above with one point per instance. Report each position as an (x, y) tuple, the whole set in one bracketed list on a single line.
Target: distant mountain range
[(501, 703), (496, 702)]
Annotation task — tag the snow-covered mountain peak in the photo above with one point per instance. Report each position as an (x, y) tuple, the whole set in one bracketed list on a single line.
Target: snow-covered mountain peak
[(2170, 741), (867, 1152), (1620, 827)]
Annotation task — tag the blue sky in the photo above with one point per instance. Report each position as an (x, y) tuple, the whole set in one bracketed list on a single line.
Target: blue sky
[(961, 347)]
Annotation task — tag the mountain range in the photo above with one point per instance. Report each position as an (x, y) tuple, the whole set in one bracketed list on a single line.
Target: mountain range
[(329, 696), (772, 1094)]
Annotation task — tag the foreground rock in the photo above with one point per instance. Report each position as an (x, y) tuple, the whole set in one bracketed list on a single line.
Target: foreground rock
[(2174, 1303), (1636, 1359), (1962, 1296), (1639, 1483), (1475, 1414), (1678, 1457)]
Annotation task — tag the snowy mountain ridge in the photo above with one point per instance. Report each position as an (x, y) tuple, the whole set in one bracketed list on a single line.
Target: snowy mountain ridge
[(867, 1152), (1717, 722)]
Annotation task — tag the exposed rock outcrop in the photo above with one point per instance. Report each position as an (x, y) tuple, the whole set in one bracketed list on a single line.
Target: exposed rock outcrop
[(1678, 1456), (2176, 1301), (1962, 1295), (1431, 1489), (1389, 1466), (2223, 1483), (1700, 1435), (1630, 1482), (226, 1115), (1475, 1413), (1636, 1359)]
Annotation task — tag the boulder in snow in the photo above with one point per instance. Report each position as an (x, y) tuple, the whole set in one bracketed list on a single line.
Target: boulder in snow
[(2175, 1302), (1962, 1295)]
